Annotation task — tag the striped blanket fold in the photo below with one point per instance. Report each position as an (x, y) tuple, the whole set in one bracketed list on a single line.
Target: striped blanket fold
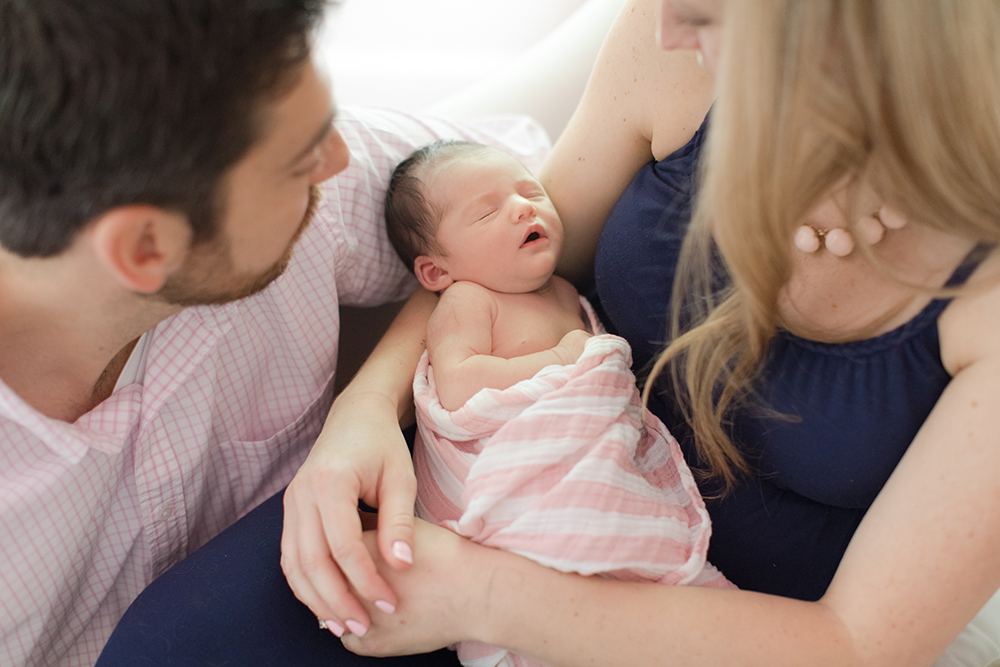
[(568, 469)]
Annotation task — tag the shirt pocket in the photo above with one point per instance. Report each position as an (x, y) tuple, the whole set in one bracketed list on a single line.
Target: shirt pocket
[(245, 473)]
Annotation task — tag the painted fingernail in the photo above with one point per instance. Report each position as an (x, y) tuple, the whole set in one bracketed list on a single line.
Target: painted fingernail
[(387, 607), (334, 627), (356, 628), (402, 551)]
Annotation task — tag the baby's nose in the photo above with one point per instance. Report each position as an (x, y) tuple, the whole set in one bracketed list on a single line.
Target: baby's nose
[(525, 209)]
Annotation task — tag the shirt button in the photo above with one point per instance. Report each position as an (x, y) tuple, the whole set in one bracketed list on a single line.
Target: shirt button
[(164, 511)]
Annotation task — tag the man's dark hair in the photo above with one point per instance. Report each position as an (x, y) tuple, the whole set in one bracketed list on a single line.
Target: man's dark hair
[(410, 219), (105, 103)]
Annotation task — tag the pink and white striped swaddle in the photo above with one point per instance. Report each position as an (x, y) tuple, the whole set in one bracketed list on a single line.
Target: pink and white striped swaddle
[(568, 469)]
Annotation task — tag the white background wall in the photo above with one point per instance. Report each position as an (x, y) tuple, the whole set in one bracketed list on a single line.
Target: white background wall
[(409, 54)]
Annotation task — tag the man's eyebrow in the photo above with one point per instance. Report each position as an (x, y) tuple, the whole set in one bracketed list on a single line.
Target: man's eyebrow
[(321, 134)]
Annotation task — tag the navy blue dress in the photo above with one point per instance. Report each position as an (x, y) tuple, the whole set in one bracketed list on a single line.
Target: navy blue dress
[(860, 403)]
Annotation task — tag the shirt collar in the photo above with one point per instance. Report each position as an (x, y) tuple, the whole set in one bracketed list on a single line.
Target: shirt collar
[(108, 427)]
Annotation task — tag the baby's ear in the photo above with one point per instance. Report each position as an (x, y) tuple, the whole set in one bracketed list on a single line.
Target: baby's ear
[(431, 274)]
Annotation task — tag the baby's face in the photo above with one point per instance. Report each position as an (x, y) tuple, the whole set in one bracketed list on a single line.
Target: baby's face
[(498, 227)]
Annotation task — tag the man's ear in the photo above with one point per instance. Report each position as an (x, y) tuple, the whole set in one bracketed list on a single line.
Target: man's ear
[(140, 245), (431, 274)]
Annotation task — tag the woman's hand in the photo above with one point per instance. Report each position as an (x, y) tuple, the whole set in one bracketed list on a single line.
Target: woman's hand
[(361, 454), (437, 596)]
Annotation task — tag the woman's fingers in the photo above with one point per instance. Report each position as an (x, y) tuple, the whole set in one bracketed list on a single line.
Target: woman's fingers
[(323, 555), (341, 526), (397, 495), (321, 552)]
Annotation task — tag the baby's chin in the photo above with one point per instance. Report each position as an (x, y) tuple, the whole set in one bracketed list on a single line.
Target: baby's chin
[(521, 285)]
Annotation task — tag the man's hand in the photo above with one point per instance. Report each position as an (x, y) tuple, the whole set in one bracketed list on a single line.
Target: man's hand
[(361, 454)]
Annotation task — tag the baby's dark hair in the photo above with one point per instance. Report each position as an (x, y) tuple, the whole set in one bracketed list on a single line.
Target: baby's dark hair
[(410, 218)]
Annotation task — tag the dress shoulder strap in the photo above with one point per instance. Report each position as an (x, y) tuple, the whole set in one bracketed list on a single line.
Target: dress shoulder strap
[(970, 264)]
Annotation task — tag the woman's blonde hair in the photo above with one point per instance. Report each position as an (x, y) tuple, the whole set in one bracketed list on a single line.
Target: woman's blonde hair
[(901, 95)]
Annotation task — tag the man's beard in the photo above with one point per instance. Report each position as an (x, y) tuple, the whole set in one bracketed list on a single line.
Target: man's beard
[(207, 277)]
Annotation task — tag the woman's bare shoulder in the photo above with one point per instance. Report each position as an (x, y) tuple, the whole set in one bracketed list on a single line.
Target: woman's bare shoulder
[(970, 327), (641, 102), (639, 94)]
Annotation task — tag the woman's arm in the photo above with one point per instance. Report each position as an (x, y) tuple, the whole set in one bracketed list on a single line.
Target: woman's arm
[(920, 566), (360, 454), (922, 563), (640, 103)]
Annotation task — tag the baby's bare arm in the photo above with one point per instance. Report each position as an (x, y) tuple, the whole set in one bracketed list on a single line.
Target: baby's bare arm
[(460, 344)]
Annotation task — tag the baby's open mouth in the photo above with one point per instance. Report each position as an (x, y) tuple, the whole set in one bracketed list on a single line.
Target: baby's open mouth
[(535, 233)]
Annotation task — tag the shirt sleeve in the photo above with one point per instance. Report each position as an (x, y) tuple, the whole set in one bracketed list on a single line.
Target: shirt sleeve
[(368, 272)]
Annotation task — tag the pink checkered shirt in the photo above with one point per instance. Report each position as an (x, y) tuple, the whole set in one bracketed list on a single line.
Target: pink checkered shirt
[(226, 408)]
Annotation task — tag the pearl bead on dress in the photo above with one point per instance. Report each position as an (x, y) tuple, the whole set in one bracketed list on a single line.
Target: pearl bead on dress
[(839, 241)]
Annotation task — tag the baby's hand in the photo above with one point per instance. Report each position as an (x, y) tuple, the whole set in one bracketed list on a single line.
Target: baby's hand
[(571, 346)]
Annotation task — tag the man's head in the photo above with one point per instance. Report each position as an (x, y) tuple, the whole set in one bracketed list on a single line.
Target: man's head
[(457, 210), (106, 105)]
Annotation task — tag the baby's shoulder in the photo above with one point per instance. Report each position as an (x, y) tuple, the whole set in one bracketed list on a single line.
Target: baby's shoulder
[(564, 289), (568, 296), (463, 310), (466, 297), (466, 290)]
